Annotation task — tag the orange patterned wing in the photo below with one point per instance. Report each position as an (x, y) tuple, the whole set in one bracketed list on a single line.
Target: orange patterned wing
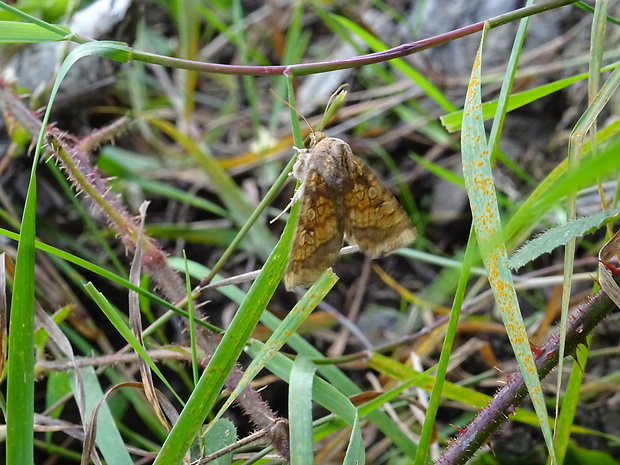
[(319, 233), (374, 219)]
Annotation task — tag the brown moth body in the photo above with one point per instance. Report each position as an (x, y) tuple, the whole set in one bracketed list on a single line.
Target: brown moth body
[(340, 196)]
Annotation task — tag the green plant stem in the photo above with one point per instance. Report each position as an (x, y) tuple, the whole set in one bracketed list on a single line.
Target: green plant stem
[(446, 351)]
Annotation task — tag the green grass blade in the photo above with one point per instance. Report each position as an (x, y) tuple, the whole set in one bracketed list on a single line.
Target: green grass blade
[(570, 402), (559, 183), (20, 364), (109, 439), (446, 350), (300, 411), (342, 383), (58, 31), (356, 453), (331, 397), (12, 32)]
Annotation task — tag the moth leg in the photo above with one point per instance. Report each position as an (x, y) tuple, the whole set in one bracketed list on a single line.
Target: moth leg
[(299, 174), (298, 195)]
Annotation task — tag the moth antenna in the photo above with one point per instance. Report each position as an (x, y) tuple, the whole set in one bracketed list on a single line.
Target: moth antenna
[(294, 109)]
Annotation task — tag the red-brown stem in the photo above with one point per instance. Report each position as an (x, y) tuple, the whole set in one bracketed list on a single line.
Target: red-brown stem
[(583, 320)]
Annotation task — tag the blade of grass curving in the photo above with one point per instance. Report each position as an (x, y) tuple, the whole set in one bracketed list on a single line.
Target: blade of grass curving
[(300, 411), (20, 376), (481, 190), (323, 392), (335, 399), (446, 349)]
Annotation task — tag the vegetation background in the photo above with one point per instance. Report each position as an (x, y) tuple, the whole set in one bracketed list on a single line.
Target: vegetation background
[(181, 104)]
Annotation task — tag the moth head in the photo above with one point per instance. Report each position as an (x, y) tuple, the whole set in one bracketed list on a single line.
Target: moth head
[(313, 139)]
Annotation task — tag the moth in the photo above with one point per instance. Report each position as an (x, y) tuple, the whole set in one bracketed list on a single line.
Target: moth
[(340, 196)]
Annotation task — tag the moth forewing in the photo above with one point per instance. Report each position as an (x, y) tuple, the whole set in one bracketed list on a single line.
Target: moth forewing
[(339, 195), (374, 220), (319, 233)]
